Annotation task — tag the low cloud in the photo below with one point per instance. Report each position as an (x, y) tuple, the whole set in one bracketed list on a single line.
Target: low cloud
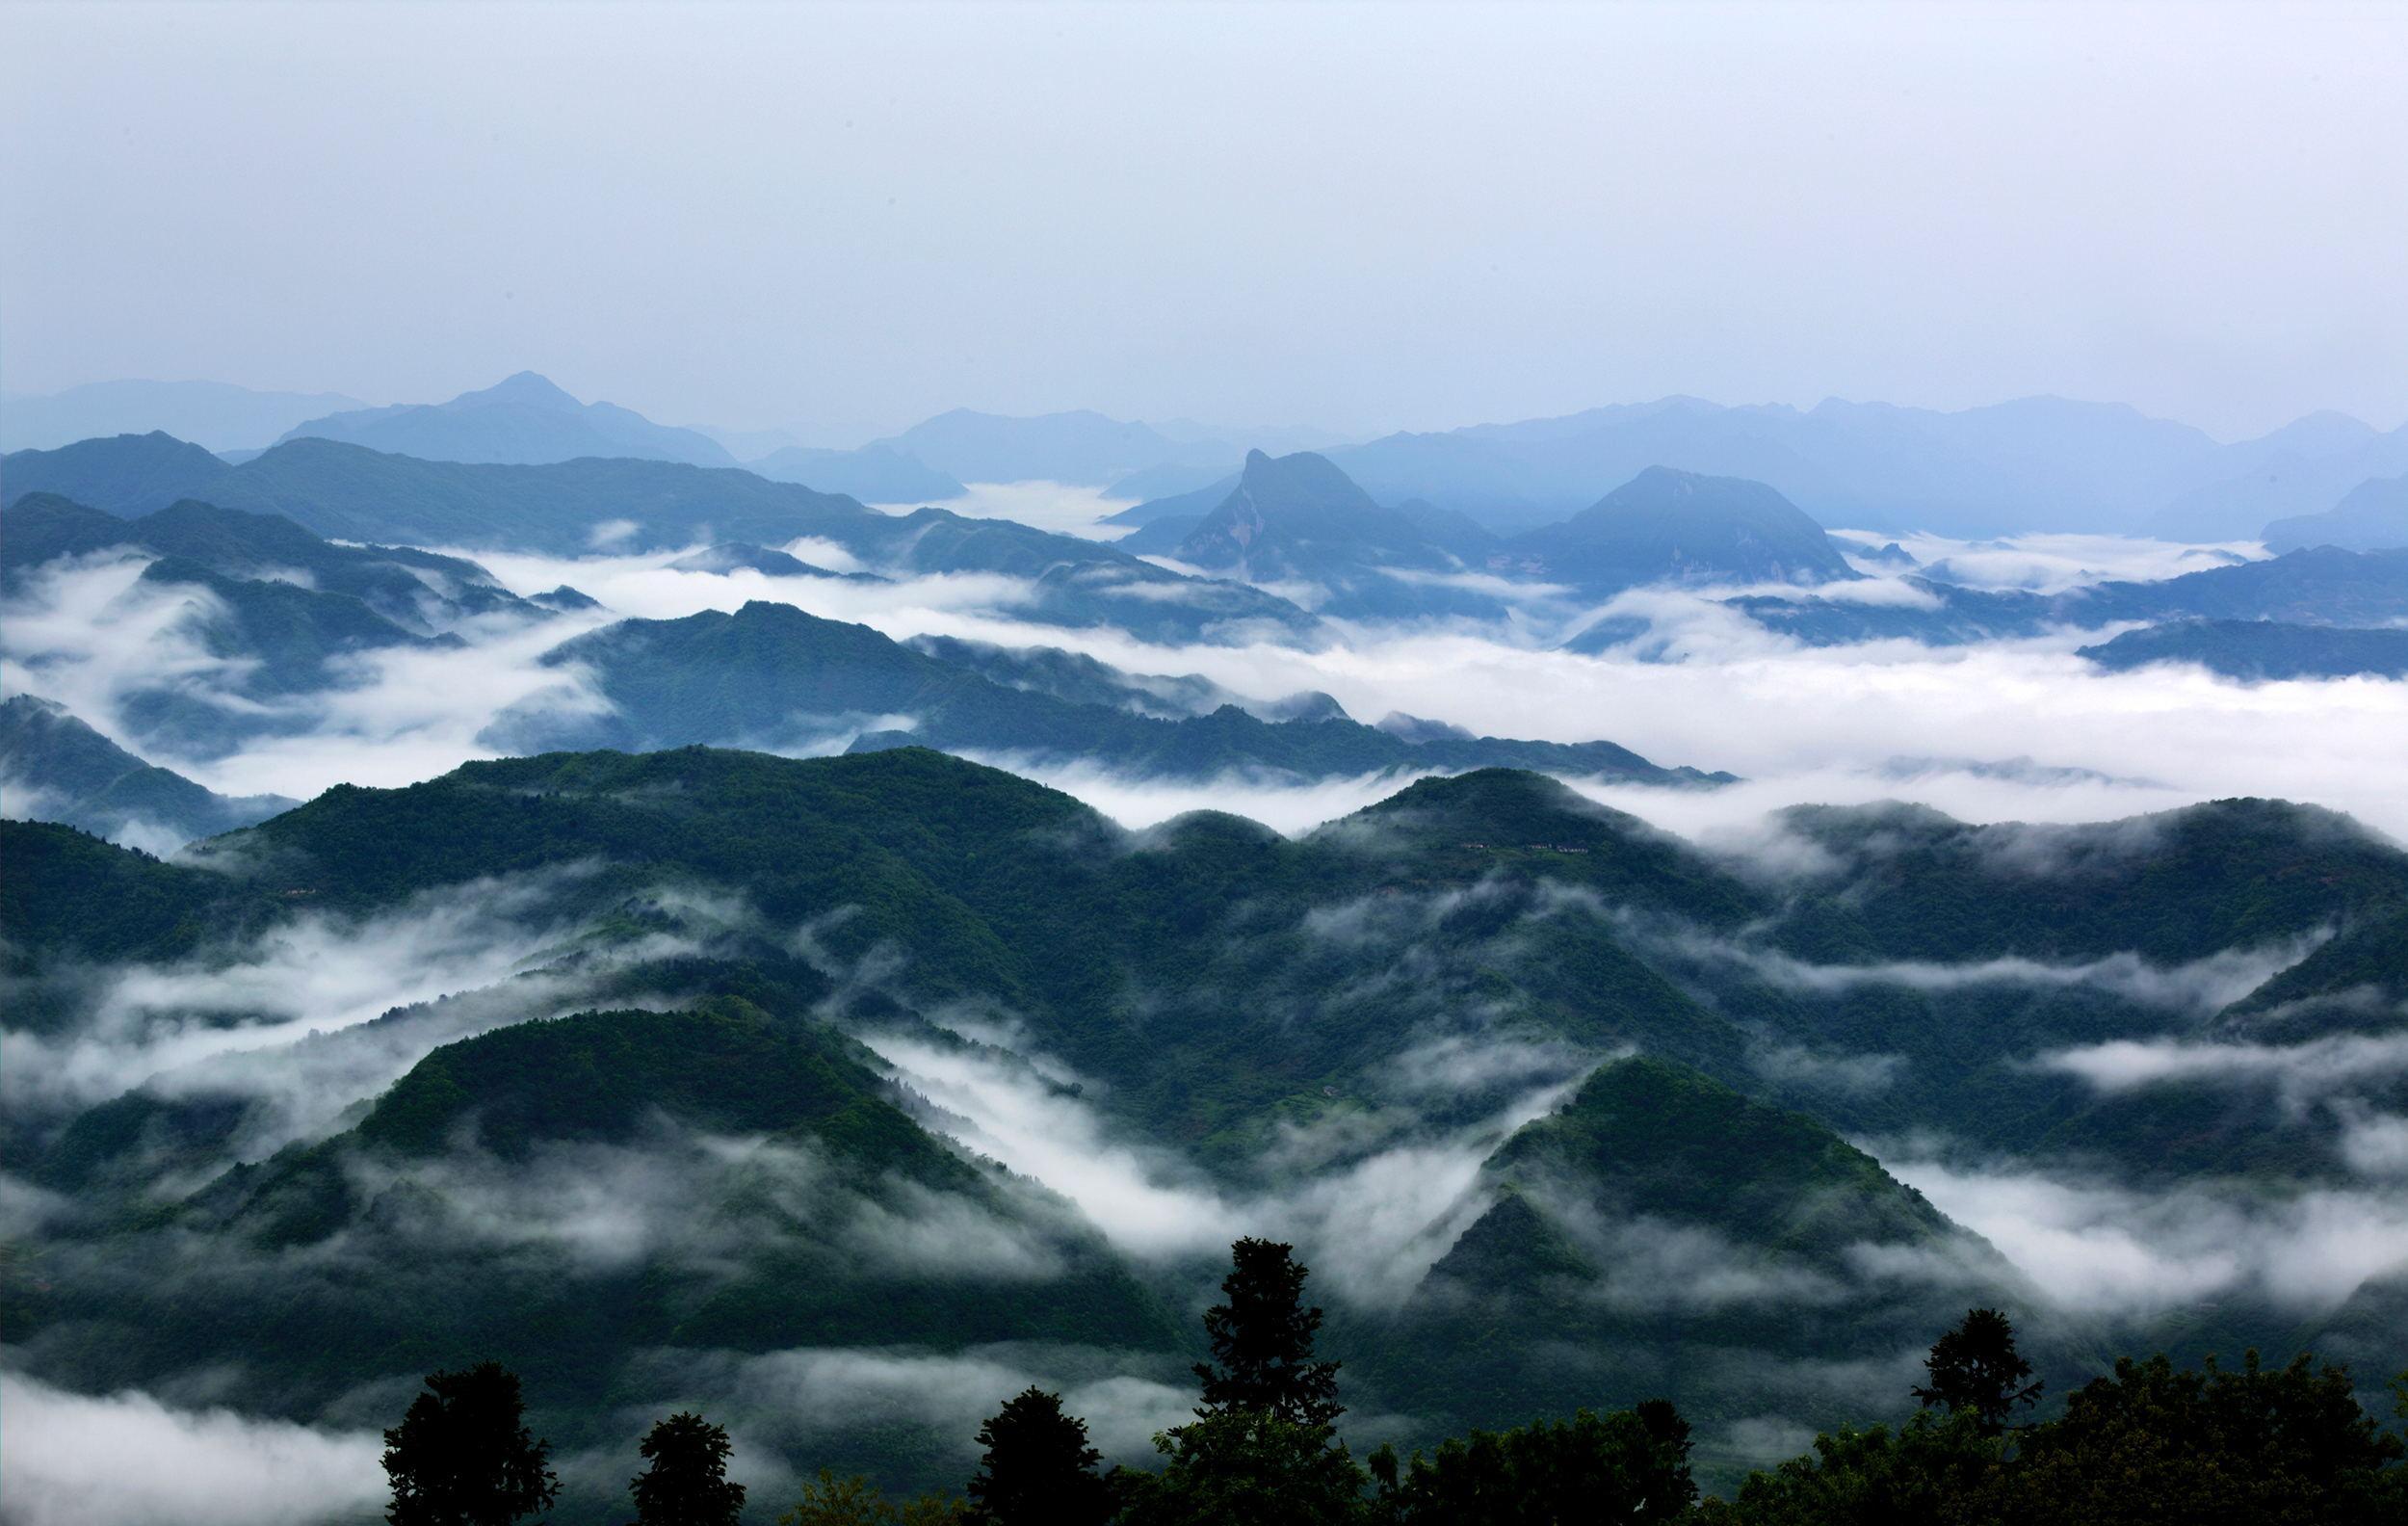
[(2199, 987), (2102, 1249), (313, 973), (128, 1460), (2301, 1071)]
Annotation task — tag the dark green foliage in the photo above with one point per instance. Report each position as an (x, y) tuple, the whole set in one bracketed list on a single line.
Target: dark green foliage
[(1660, 1140), (461, 1455), (66, 892), (1037, 1468), (1931, 1471), (2286, 1446), (1244, 1467), (1631, 1465), (1262, 1341), (2151, 1443), (2177, 885), (1975, 1368), (687, 1483)]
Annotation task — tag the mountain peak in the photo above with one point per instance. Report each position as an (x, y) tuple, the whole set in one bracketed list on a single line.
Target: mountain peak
[(531, 388)]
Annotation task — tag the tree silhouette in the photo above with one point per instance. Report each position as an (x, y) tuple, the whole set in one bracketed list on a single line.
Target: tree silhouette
[(687, 1484), (1975, 1367), (461, 1455), (1039, 1470), (1262, 1342)]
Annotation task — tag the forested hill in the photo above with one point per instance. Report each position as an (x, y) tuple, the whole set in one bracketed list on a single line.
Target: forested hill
[(1510, 1064)]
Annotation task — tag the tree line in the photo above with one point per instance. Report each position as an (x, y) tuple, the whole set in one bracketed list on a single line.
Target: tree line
[(2248, 1446)]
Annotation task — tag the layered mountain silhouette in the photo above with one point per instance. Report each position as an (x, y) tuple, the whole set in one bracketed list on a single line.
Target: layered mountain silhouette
[(876, 474), (125, 474), (772, 675), (214, 414), (2256, 650), (418, 591), (1667, 526), (521, 420), (572, 508), (54, 768), (2034, 464), (2323, 586), (1300, 519), (2372, 517)]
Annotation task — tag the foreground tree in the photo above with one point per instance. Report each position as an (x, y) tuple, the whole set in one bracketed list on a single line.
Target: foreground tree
[(1631, 1465), (2248, 1448), (462, 1455), (831, 1501), (1244, 1467), (687, 1484), (1262, 1341), (1977, 1368), (1037, 1468), (1930, 1471)]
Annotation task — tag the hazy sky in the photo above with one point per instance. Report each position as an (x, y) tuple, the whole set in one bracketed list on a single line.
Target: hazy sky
[(1366, 217)]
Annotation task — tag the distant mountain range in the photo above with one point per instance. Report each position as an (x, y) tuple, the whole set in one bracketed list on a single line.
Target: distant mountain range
[(2256, 650), (275, 614), (212, 415), (1300, 519), (284, 610), (521, 420), (2029, 465), (2037, 463), (2324, 586), (417, 590), (2373, 516), (573, 508), (771, 675), (876, 474)]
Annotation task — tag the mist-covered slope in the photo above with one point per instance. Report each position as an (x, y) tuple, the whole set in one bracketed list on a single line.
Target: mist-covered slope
[(672, 1058), (770, 674), (573, 508), (2259, 650), (52, 767)]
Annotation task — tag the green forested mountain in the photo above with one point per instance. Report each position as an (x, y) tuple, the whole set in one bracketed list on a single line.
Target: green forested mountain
[(1563, 1105), (1654, 1202)]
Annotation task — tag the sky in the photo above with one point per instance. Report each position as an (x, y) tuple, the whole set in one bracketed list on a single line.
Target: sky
[(839, 218)]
